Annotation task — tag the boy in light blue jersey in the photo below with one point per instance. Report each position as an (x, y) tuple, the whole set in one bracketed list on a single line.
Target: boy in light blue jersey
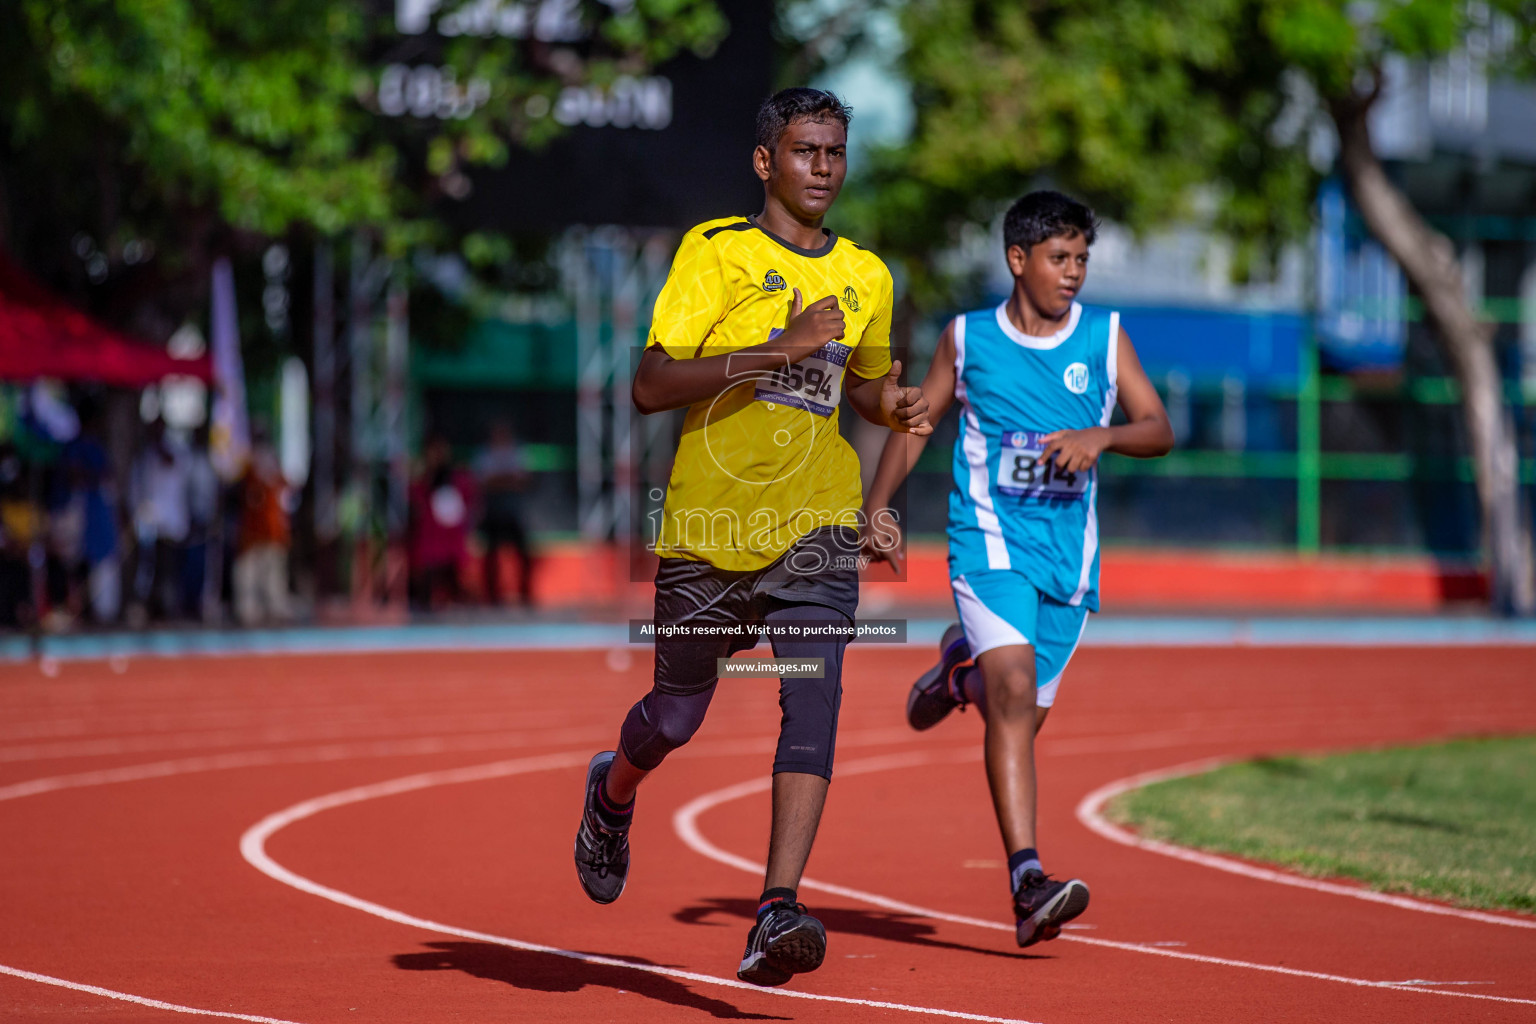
[(1037, 380)]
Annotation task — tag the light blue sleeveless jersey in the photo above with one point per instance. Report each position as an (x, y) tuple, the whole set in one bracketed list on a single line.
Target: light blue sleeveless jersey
[(1007, 509)]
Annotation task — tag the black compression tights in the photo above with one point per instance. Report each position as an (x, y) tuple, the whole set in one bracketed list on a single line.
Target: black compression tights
[(660, 722)]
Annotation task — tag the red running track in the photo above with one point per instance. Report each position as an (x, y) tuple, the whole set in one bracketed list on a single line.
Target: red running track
[(125, 793)]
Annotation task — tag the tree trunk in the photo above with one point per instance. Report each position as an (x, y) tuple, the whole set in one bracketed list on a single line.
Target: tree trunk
[(1429, 262)]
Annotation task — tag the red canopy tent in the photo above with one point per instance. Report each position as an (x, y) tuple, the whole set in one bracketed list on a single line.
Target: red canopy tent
[(43, 336)]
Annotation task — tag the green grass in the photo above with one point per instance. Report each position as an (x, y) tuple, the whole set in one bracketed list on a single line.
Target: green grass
[(1452, 821)]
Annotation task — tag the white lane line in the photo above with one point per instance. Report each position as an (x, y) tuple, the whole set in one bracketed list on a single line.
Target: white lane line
[(253, 849), (338, 722), (424, 745), (287, 755), (157, 742), (438, 745), (127, 997), (333, 752), (1090, 811), (685, 824)]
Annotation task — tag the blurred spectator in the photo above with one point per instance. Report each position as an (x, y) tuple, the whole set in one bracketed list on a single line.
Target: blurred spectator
[(19, 526), (440, 501), (86, 528), (49, 425), (199, 576), (161, 499), (63, 540), (261, 562), (503, 477)]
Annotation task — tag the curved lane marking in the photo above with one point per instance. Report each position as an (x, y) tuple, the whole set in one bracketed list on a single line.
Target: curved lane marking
[(126, 997), (685, 824), (1090, 811), (253, 849), (690, 835), (379, 731), (423, 745), (259, 758)]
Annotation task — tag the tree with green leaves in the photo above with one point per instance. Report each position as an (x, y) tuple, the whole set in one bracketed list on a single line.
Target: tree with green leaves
[(1140, 106), (140, 139)]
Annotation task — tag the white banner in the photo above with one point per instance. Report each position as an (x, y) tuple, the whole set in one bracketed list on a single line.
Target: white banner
[(230, 433)]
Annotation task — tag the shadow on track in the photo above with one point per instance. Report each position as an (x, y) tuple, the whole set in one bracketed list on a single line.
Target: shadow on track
[(545, 972), (876, 924)]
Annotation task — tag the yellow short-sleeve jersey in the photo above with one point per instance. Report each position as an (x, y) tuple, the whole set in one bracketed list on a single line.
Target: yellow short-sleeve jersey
[(763, 464)]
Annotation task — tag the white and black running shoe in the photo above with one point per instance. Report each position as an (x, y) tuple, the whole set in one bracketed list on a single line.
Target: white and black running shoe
[(1042, 905), (784, 942), (602, 856), (933, 695)]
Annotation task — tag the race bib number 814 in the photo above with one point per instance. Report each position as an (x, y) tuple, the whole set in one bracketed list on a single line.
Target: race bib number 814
[(1020, 470)]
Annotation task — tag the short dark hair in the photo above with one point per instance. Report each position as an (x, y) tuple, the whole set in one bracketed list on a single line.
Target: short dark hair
[(1047, 214), (787, 106)]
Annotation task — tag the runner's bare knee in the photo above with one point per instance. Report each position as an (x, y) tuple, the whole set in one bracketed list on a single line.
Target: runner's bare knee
[(1010, 682)]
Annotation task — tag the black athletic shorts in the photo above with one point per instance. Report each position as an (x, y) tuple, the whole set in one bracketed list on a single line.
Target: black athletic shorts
[(820, 569)]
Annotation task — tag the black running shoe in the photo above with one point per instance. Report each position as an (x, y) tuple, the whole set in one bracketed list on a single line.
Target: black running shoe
[(602, 857), (933, 696), (1042, 905), (784, 942)]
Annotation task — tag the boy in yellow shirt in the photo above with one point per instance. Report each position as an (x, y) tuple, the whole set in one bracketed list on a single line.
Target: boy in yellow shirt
[(761, 522)]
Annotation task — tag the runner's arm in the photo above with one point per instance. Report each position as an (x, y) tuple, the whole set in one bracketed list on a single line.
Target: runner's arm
[(873, 381), (884, 402), (902, 451), (662, 382), (1146, 434)]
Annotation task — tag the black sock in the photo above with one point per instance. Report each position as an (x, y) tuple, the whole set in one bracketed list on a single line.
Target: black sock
[(1024, 860), (772, 896), (612, 817)]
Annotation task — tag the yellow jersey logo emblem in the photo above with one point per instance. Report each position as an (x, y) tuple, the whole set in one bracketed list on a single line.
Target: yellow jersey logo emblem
[(851, 299), (772, 282)]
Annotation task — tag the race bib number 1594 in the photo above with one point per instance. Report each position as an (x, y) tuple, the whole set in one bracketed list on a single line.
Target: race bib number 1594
[(814, 384)]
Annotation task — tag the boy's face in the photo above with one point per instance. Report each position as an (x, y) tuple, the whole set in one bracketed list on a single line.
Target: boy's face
[(1051, 272), (805, 171)]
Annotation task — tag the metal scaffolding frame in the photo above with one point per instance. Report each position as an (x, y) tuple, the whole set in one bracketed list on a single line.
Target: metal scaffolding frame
[(612, 276), (367, 361)]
